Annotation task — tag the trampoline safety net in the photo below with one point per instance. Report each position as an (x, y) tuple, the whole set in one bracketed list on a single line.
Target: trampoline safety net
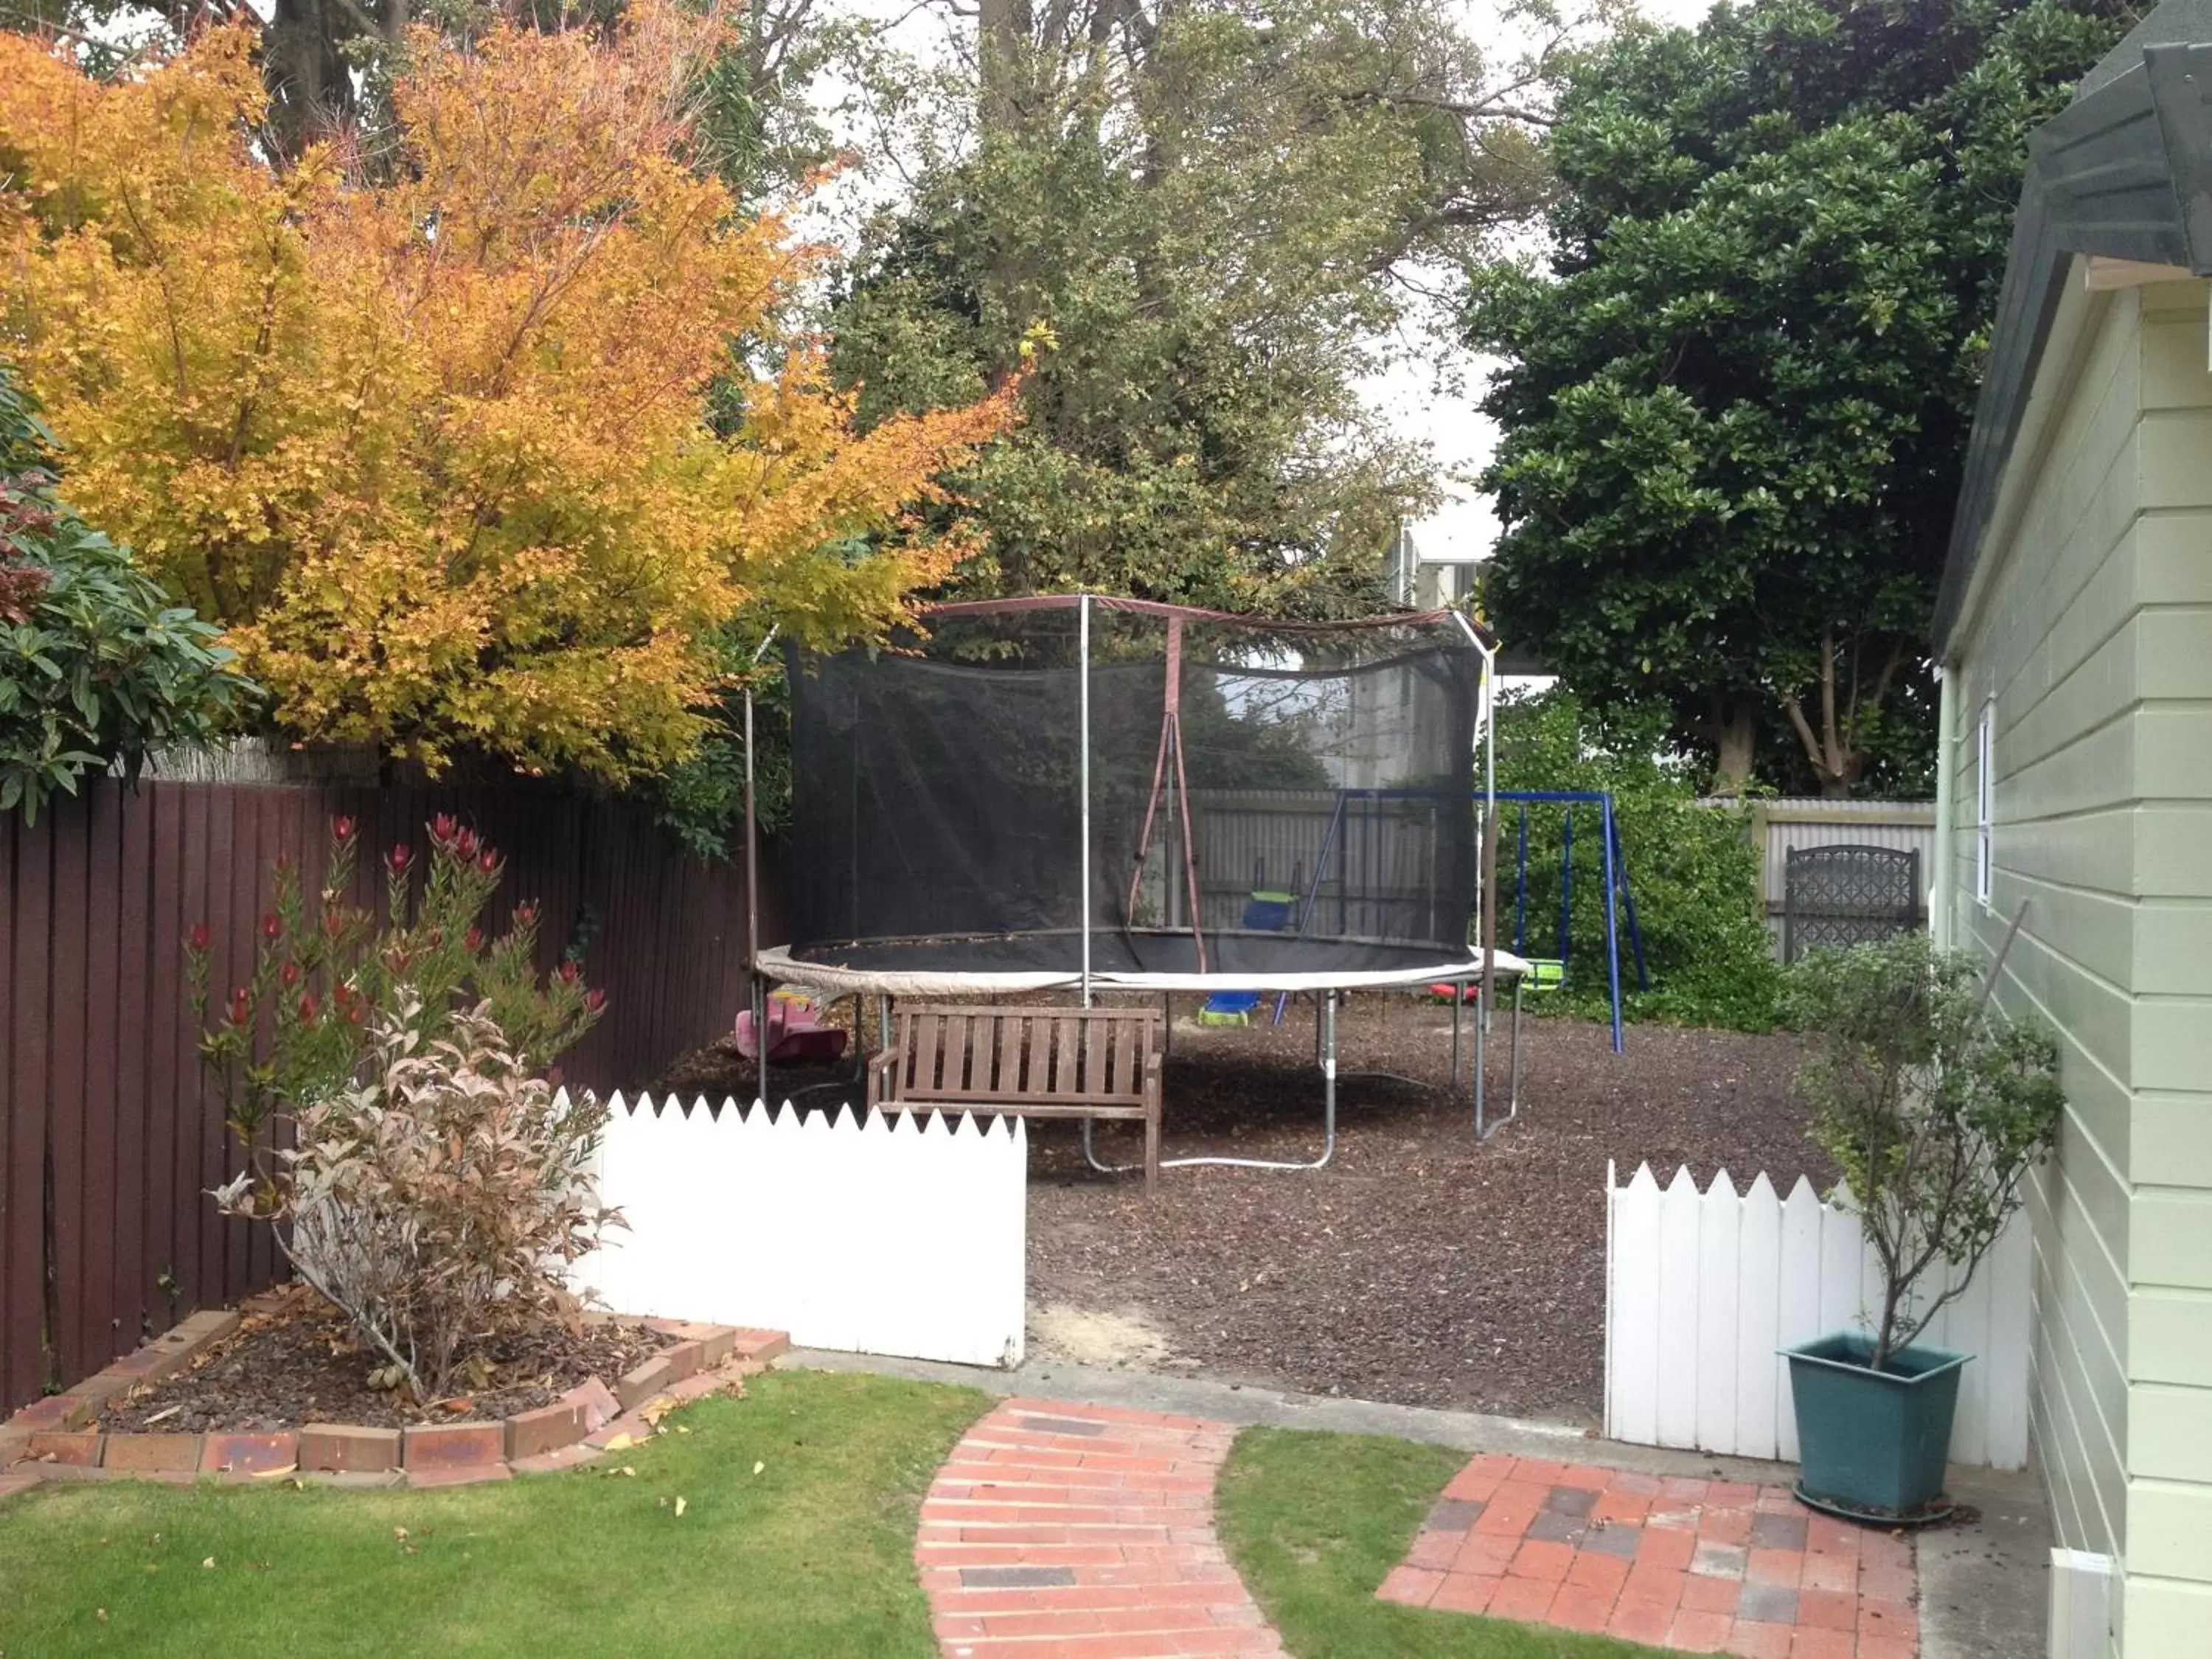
[(1260, 796)]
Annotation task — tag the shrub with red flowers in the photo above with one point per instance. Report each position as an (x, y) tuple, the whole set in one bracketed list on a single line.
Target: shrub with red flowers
[(300, 1028), (385, 1084)]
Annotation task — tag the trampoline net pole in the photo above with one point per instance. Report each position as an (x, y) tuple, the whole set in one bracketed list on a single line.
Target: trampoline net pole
[(1082, 778)]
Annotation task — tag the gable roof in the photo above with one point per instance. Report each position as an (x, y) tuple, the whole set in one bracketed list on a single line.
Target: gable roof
[(2124, 171)]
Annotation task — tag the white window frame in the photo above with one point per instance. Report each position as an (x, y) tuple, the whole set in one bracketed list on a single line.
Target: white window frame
[(1984, 797)]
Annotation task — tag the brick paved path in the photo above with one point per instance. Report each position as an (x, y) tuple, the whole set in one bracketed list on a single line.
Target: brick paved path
[(1083, 1532), (1705, 1566)]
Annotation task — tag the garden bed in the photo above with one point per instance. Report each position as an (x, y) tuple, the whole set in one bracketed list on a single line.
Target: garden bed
[(298, 1362)]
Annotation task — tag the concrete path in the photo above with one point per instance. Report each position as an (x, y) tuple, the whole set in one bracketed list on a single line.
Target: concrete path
[(1084, 1532), (1983, 1587)]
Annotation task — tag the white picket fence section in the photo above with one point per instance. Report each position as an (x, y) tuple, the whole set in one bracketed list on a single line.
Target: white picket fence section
[(1702, 1288), (906, 1235)]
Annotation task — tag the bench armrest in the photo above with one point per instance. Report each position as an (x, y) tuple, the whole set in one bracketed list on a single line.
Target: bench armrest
[(883, 1074)]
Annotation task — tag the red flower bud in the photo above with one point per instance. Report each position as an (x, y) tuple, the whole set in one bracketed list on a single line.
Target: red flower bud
[(307, 1007), (289, 973), (595, 999), (441, 828), (333, 922), (465, 844), (398, 857), (475, 940), (270, 926), (396, 959), (199, 936), (284, 863), (354, 1013), (526, 913), (241, 1006), (567, 972), (488, 862), (341, 829)]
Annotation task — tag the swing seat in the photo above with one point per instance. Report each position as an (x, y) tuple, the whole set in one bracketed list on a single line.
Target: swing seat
[(1545, 974)]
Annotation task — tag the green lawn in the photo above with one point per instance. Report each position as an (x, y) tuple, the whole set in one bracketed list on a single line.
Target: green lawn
[(812, 1555), (1313, 1522)]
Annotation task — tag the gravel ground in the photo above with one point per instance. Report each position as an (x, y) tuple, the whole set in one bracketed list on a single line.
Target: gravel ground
[(1420, 1267)]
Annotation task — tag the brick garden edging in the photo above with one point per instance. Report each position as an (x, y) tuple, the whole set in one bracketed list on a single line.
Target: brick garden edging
[(55, 1438)]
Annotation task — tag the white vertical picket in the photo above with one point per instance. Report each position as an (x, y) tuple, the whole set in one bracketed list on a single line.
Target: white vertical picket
[(1677, 1311), (1702, 1288), (1963, 1325), (1632, 1406), (1720, 1217), (1799, 1300), (1758, 1318), (1843, 1267), (2011, 1269)]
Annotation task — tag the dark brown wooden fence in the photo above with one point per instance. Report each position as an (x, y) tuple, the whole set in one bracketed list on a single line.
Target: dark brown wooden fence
[(108, 1142)]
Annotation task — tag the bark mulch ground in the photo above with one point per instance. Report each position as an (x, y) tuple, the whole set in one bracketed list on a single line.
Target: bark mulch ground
[(302, 1365), (1420, 1267)]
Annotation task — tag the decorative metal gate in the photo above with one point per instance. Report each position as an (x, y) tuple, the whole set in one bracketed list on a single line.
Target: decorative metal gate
[(1835, 896)]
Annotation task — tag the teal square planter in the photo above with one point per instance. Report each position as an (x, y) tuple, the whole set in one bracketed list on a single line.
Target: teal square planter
[(1870, 1441)]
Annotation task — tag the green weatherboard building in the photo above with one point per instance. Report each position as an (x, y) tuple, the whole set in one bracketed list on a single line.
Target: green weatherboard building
[(2074, 631)]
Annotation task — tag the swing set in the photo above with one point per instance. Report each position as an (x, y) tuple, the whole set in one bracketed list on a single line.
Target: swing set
[(1548, 974)]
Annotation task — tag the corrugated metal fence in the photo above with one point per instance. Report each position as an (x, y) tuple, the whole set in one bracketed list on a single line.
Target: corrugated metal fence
[(108, 1142), (1781, 826)]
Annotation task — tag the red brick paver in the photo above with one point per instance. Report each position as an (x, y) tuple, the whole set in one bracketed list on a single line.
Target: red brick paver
[(1085, 1532), (1701, 1566)]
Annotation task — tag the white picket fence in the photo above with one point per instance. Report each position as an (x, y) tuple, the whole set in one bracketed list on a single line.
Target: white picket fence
[(906, 1235), (1702, 1288)]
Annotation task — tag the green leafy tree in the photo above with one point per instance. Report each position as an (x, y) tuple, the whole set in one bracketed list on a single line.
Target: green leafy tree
[(1213, 215), (1735, 404), (97, 666)]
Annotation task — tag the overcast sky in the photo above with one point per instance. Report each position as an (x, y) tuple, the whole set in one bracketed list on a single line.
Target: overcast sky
[(1458, 434)]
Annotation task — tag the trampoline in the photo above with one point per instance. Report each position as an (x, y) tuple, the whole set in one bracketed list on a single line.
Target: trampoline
[(1088, 793)]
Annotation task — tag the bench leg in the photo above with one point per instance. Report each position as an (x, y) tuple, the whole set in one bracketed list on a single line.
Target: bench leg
[(1151, 1151)]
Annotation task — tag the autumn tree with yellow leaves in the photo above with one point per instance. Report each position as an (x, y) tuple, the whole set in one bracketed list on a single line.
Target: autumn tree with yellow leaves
[(434, 449)]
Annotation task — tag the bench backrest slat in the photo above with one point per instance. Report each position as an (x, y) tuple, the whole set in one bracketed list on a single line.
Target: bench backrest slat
[(1075, 1055)]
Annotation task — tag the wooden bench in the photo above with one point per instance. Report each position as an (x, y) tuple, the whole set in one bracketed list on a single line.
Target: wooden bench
[(1032, 1062)]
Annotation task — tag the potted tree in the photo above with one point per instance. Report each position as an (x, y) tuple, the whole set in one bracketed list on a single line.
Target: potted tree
[(1936, 1109)]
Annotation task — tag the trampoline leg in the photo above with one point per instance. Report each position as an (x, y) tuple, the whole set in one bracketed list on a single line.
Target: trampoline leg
[(1327, 1078), (1459, 995), (1481, 1021), (759, 1039), (1324, 1056), (1483, 1131)]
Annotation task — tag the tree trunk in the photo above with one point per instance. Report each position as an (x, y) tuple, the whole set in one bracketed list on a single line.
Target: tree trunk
[(310, 82), (1003, 50), (1736, 739)]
